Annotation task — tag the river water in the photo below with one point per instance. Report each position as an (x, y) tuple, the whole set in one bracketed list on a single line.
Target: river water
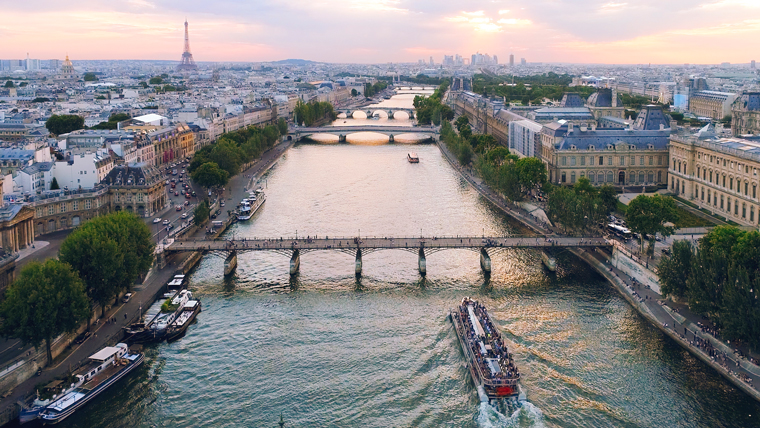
[(327, 350)]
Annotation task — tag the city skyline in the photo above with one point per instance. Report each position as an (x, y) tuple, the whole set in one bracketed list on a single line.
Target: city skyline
[(710, 32)]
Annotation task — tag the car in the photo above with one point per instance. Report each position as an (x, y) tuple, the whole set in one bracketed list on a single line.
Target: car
[(184, 215), (213, 215), (157, 220), (176, 193), (126, 297), (82, 337), (167, 181), (187, 195), (222, 203), (165, 222), (193, 193), (179, 207), (187, 203)]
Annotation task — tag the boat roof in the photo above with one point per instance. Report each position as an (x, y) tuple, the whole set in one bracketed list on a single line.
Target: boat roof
[(191, 303), (67, 400), (104, 353)]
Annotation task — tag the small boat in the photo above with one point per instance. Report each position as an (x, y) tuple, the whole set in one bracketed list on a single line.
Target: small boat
[(31, 408), (490, 363), (412, 158), (250, 205), (105, 368)]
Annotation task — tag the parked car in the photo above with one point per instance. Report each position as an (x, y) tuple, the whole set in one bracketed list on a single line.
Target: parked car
[(165, 222), (157, 220), (126, 297), (184, 215), (179, 207), (176, 193)]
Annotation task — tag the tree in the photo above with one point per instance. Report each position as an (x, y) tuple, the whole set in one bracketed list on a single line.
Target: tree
[(282, 126), (54, 184), (41, 100), (209, 175), (63, 124), (45, 301), (201, 213), (531, 172), (143, 84), (673, 269), (9, 84), (157, 80), (354, 92), (608, 195), (461, 121), (90, 77), (647, 215)]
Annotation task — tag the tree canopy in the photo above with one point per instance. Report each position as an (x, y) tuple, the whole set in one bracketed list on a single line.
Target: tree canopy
[(46, 300), (90, 77), (157, 80), (109, 253), (209, 175), (113, 121), (201, 213), (312, 112), (650, 214), (64, 123)]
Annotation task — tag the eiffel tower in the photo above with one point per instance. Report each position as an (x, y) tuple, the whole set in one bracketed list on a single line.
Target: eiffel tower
[(187, 63)]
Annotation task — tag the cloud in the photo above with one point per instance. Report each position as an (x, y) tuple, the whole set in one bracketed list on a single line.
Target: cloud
[(515, 22), (503, 11), (613, 7), (377, 5), (480, 22), (731, 3)]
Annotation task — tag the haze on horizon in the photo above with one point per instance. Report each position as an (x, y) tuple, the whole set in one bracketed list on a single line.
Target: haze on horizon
[(379, 31)]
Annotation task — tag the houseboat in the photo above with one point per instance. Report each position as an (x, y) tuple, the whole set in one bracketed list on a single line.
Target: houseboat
[(105, 368), (186, 315), (250, 205)]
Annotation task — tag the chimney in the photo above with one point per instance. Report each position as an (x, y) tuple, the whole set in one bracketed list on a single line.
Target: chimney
[(593, 126), (662, 127), (570, 127)]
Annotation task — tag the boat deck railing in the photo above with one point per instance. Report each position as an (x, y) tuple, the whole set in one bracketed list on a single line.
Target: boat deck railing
[(485, 377)]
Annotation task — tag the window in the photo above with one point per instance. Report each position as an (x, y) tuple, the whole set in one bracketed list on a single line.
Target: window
[(728, 205), (564, 161), (641, 176), (641, 161), (650, 177), (609, 161), (601, 160), (746, 189), (592, 176), (572, 160), (702, 193), (659, 176), (633, 160), (139, 197), (659, 160), (744, 210), (88, 204), (752, 214), (708, 196), (609, 176), (75, 205), (736, 208), (754, 191), (651, 160), (622, 160), (583, 160), (572, 177), (63, 207), (591, 160), (724, 180), (51, 209), (564, 177), (721, 201)]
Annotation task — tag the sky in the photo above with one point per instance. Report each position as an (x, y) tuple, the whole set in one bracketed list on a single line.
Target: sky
[(381, 31)]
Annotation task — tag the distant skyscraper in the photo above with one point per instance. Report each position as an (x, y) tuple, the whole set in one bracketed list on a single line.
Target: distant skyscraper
[(511, 60), (522, 61), (495, 60), (752, 64), (431, 60), (187, 63)]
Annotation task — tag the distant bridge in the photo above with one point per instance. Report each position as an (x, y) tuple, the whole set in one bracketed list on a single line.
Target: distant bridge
[(342, 131), (370, 111), (421, 246)]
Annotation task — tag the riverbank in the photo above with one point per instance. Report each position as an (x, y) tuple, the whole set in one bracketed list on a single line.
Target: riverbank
[(644, 300)]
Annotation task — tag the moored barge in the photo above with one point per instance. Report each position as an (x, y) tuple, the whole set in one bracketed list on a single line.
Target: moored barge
[(490, 363)]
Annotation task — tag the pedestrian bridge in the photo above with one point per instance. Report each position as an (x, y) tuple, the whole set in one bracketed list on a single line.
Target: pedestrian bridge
[(342, 131), (422, 246)]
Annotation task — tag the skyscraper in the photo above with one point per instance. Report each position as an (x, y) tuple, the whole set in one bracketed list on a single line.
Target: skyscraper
[(511, 60), (522, 61), (752, 64)]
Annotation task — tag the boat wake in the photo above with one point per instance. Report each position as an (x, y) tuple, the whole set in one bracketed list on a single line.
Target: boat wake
[(526, 416)]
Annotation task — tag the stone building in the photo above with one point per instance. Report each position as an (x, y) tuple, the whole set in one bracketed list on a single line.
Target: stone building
[(713, 104), (65, 210), (171, 144), (718, 174), (637, 156), (137, 189), (606, 103), (745, 114)]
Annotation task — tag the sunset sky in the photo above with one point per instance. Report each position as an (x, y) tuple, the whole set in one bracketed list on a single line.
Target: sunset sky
[(378, 31)]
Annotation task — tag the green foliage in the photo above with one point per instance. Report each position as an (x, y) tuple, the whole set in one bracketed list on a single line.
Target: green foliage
[(282, 126), (113, 121), (41, 100), (233, 149), (209, 175), (46, 300), (370, 90), (312, 112), (109, 253), (721, 280), (90, 77), (528, 88), (532, 174), (63, 124), (459, 146), (673, 269), (143, 84), (201, 213), (431, 109), (354, 92), (54, 184), (168, 308), (9, 84), (648, 215), (461, 122), (157, 80), (578, 209)]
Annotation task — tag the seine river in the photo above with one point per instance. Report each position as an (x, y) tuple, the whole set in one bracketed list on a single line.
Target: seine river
[(328, 350)]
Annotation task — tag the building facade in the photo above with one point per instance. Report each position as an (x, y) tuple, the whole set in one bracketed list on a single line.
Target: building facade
[(67, 210), (713, 104), (745, 114), (140, 190), (718, 174), (525, 138)]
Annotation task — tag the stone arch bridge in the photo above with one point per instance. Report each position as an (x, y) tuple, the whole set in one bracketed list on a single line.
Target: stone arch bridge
[(371, 111), (342, 131)]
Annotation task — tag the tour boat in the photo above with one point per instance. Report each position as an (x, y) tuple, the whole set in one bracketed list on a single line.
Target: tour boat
[(491, 366), (186, 315), (249, 206), (105, 368), (412, 158)]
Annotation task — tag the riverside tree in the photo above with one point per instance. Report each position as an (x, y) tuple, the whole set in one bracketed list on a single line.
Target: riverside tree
[(648, 215), (109, 253), (209, 175), (46, 300)]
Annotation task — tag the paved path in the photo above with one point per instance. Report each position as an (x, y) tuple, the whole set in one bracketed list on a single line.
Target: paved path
[(338, 243)]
